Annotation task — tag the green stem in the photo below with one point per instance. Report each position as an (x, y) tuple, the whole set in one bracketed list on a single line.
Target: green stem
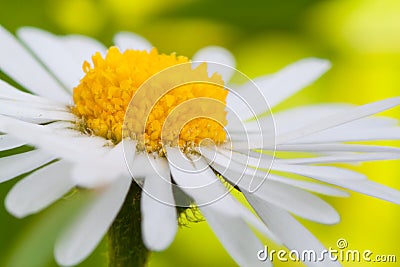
[(125, 244)]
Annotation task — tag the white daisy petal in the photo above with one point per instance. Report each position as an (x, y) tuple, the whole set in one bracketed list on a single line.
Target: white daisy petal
[(199, 183), (8, 92), (253, 159), (359, 185), (281, 85), (88, 230), (34, 104), (39, 190), (342, 158), (20, 65), (82, 48), (294, 235), (323, 173), (334, 147), (255, 222), (292, 119), (33, 114), (370, 188), (289, 126), (254, 141), (219, 55), (120, 153), (156, 207), (15, 165), (349, 135), (51, 50), (239, 172), (339, 119), (239, 109), (226, 163), (242, 247), (235, 176), (128, 40), (75, 149), (93, 174), (63, 125), (295, 200), (139, 166), (105, 169), (221, 199), (9, 142), (310, 186)]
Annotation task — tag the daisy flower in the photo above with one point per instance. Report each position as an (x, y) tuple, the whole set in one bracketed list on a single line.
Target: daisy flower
[(185, 135)]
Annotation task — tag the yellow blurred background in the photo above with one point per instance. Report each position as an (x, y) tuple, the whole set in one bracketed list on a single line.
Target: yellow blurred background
[(360, 37)]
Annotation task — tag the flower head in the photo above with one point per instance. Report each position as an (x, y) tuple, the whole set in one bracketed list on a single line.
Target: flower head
[(105, 92), (184, 134)]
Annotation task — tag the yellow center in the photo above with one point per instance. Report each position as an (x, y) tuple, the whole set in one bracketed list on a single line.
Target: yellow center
[(104, 93)]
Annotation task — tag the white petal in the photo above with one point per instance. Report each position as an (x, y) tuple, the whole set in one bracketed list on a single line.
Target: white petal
[(92, 174), (370, 188), (103, 170), (105, 167), (255, 222), (287, 197), (281, 85), (227, 163), (240, 107), (9, 142), (39, 190), (323, 173), (199, 181), (260, 133), (334, 147), (243, 134), (63, 125), (292, 119), (82, 47), (34, 103), (8, 92), (339, 119), (310, 186), (294, 235), (359, 185), (341, 158), (253, 159), (20, 65), (51, 50), (349, 135), (296, 200), (15, 165), (33, 114), (157, 205), (235, 236), (215, 195), (140, 166), (75, 149), (88, 230), (225, 61), (128, 40)]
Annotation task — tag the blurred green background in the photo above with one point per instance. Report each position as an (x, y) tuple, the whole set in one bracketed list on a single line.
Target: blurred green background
[(360, 37)]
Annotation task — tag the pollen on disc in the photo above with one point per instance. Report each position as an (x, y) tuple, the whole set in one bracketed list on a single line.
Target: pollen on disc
[(104, 93)]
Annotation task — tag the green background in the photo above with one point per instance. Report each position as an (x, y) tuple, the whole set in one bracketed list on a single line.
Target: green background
[(361, 38)]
